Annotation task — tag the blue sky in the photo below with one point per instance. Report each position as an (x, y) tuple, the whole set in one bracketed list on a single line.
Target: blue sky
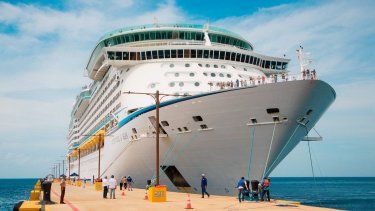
[(45, 46)]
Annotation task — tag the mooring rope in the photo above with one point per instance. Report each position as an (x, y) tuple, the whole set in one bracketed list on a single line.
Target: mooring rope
[(251, 152), (269, 150)]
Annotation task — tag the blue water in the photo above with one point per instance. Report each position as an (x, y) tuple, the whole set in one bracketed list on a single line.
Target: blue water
[(349, 193), (14, 190)]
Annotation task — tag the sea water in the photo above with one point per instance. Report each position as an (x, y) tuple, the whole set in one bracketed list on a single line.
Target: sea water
[(14, 190), (348, 193)]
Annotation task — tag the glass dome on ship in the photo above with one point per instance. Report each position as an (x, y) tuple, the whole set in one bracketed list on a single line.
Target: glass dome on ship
[(242, 112)]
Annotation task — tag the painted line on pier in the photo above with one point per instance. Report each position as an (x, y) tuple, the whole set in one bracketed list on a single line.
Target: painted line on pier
[(74, 208)]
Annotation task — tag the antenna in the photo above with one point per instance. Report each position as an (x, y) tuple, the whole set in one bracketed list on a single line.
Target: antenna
[(155, 21), (303, 58)]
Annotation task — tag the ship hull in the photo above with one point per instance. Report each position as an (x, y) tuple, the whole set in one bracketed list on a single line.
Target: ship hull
[(229, 146)]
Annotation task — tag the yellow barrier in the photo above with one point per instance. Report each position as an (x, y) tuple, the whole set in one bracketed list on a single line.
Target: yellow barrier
[(79, 183), (98, 186), (30, 206), (34, 195), (157, 194)]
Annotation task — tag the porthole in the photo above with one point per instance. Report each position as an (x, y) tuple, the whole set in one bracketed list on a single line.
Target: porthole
[(191, 74), (215, 66), (177, 74), (196, 83), (200, 65), (152, 85), (221, 75), (205, 74), (207, 65), (186, 94), (187, 65), (181, 83), (171, 84), (244, 69), (229, 75), (222, 66), (171, 65), (213, 74)]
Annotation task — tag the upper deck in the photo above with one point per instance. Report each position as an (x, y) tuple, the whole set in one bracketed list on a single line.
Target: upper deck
[(170, 33)]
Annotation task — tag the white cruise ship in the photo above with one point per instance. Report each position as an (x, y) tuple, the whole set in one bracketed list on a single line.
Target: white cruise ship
[(235, 112)]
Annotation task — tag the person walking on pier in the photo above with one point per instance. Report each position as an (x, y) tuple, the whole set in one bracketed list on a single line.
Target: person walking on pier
[(122, 182), (62, 186), (105, 187), (241, 187), (112, 183), (204, 186), (130, 183), (266, 188)]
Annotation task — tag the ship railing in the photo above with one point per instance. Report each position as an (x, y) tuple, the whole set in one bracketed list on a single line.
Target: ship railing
[(259, 80)]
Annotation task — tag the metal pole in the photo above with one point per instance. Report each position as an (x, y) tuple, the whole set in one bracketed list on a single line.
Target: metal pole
[(100, 145), (69, 168), (59, 170), (157, 105), (79, 163), (63, 168)]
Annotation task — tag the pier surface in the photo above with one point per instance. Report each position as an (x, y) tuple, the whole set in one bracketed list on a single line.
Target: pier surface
[(79, 198)]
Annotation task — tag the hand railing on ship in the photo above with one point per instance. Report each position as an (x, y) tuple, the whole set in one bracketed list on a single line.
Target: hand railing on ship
[(259, 80)]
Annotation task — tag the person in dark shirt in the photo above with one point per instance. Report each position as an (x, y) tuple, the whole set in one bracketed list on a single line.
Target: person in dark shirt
[(204, 186), (241, 187)]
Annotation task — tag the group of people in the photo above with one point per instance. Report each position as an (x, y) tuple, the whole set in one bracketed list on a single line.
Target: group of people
[(262, 188), (243, 187), (309, 74), (110, 185)]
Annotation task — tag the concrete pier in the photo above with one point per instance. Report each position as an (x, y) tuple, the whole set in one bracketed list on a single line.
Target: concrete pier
[(79, 198)]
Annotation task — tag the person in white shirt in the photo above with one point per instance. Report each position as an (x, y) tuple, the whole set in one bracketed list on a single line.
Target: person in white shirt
[(105, 187), (112, 183)]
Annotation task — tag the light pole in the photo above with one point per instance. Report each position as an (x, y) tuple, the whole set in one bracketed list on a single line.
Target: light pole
[(157, 99), (101, 140)]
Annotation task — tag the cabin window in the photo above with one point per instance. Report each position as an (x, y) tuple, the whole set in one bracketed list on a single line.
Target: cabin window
[(118, 55), (181, 84), (191, 74), (203, 126), (309, 112), (197, 118), (161, 54), (125, 56), (180, 53), (148, 55), (173, 53), (272, 110), (276, 119), (179, 129), (165, 123), (222, 55), (254, 121), (186, 129), (193, 53), (167, 54), (187, 65), (196, 83), (206, 54), (154, 54), (134, 130)]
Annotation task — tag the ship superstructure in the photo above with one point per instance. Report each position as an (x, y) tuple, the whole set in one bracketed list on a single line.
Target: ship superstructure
[(240, 114)]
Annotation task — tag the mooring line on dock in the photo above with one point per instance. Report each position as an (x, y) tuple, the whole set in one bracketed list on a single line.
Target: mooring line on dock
[(74, 208)]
